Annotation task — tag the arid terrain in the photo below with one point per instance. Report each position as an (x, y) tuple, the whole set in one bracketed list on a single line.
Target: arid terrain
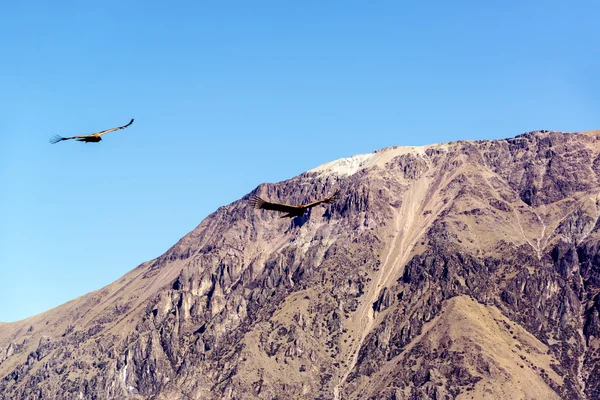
[(462, 270)]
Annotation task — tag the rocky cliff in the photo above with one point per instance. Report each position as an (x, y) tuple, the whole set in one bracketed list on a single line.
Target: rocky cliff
[(464, 270)]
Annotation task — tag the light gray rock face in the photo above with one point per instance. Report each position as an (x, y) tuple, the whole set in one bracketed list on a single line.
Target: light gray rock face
[(442, 272)]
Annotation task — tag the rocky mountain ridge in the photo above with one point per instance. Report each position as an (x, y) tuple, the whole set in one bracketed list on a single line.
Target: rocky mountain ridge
[(461, 270)]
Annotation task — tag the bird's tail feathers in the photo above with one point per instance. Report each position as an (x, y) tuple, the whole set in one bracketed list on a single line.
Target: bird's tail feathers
[(55, 139)]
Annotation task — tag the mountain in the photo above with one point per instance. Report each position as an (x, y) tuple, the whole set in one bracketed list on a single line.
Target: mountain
[(467, 270)]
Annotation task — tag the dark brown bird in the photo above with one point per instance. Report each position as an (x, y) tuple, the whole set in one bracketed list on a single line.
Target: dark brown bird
[(92, 138), (292, 211)]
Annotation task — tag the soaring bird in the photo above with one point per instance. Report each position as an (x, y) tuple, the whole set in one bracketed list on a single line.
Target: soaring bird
[(92, 138), (292, 211)]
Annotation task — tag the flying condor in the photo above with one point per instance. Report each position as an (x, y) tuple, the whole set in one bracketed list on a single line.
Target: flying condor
[(92, 138), (292, 211)]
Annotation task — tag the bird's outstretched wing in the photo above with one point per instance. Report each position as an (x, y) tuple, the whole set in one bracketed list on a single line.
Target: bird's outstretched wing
[(259, 203), (112, 129), (325, 200)]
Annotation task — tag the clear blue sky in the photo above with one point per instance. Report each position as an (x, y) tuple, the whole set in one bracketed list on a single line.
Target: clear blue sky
[(227, 95)]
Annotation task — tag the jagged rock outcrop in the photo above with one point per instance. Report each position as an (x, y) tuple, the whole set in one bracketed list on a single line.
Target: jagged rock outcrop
[(459, 270)]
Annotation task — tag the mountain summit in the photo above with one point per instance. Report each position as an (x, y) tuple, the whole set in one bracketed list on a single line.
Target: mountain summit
[(466, 270)]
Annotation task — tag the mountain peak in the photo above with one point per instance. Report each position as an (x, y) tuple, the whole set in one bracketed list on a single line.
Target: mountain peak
[(351, 165)]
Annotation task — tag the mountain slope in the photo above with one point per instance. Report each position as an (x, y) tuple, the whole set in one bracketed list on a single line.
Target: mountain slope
[(465, 269)]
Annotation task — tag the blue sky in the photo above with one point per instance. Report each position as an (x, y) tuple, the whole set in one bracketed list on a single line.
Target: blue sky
[(227, 95)]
